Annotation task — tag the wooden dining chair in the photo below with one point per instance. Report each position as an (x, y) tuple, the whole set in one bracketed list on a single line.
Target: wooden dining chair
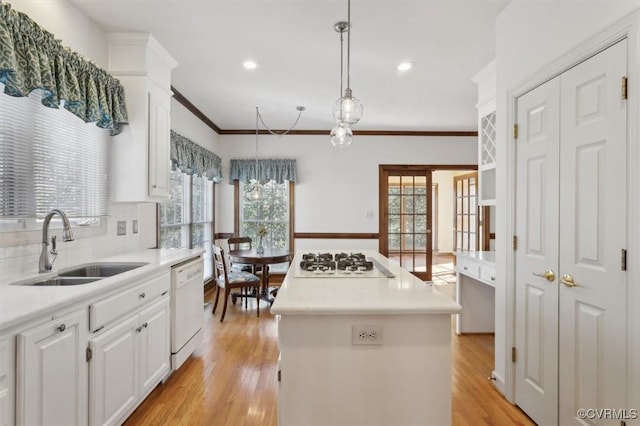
[(232, 279), (241, 243)]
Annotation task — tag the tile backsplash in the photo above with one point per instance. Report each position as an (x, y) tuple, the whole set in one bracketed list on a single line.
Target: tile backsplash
[(20, 252)]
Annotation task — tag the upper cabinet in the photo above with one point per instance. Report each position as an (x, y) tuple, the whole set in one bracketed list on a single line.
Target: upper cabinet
[(486, 81), (140, 159)]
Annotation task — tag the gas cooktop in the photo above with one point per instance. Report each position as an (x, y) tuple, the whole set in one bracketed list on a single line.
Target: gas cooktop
[(344, 265)]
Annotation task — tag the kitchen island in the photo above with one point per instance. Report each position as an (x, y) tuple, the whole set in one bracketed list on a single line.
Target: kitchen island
[(363, 347)]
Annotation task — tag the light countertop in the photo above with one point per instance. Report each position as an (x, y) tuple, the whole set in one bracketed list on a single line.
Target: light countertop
[(20, 303), (482, 256), (402, 294)]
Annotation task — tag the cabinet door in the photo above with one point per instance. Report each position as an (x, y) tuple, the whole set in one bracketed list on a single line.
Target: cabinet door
[(159, 140), (114, 372), (4, 385), (52, 372), (154, 345)]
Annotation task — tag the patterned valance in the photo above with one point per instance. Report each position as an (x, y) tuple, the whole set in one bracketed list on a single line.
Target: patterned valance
[(263, 170), (31, 58), (192, 159)]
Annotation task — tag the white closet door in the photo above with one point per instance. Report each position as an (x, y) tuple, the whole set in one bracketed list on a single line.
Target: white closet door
[(537, 227), (593, 206)]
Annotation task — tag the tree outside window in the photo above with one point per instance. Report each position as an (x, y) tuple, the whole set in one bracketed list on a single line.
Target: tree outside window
[(186, 219), (272, 211)]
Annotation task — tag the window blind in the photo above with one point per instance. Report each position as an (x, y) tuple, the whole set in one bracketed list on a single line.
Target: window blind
[(49, 158)]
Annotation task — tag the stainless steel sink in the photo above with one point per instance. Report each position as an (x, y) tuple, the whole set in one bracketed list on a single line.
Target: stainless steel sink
[(64, 281), (100, 269)]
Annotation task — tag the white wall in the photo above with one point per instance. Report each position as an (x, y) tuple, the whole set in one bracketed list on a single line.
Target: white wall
[(337, 187), (529, 37)]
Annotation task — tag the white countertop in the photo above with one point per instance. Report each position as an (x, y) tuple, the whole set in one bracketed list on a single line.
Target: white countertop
[(20, 303), (483, 256), (403, 294)]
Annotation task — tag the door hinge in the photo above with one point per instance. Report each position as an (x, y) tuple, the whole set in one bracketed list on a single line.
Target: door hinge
[(515, 242), (513, 354), (623, 259), (279, 375), (89, 354), (515, 131), (623, 88)]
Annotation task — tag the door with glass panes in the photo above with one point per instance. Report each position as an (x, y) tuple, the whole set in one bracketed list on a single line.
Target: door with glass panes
[(406, 217)]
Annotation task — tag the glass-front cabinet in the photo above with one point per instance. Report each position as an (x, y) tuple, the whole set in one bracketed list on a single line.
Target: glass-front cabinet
[(486, 81)]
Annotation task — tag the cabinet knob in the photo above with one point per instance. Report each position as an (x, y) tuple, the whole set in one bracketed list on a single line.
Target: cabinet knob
[(145, 325), (493, 278), (154, 186), (465, 268), (62, 327), (143, 295), (139, 329)]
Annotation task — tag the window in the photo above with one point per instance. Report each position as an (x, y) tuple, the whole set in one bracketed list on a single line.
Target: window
[(186, 220), (49, 159), (273, 210)]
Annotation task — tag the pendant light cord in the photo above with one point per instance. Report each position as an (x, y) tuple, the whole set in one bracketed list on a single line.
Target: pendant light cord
[(348, 45), (259, 117)]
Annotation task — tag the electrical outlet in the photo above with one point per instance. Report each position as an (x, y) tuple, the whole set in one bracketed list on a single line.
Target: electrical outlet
[(134, 226), (122, 227), (366, 334)]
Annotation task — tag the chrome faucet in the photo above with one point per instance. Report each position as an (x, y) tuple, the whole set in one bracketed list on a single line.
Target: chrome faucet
[(45, 264)]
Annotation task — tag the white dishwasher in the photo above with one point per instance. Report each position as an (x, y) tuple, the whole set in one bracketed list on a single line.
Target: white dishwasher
[(187, 298)]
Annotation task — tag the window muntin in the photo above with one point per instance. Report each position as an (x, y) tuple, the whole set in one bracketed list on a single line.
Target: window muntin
[(272, 211), (186, 219)]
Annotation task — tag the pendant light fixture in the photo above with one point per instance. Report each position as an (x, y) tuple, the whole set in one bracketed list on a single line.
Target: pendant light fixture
[(348, 109), (254, 191)]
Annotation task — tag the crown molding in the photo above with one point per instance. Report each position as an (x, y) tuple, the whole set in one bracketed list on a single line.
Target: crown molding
[(195, 111)]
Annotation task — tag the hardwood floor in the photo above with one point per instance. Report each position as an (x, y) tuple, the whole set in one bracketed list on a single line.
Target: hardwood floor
[(231, 379)]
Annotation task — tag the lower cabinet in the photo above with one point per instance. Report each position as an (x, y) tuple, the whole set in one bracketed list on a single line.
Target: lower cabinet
[(128, 360), (51, 381), (4, 382)]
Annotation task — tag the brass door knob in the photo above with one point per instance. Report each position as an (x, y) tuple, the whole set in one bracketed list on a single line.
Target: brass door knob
[(568, 280), (548, 275)]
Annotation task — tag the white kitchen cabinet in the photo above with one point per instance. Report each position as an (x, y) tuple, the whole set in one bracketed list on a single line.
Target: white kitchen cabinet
[(52, 384), (154, 345), (4, 382), (140, 165), (486, 81), (475, 291), (114, 368), (128, 361)]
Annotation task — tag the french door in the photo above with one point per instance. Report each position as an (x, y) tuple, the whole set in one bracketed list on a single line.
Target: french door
[(571, 206), (406, 217)]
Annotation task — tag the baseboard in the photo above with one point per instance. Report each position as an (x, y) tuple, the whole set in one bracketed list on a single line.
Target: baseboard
[(498, 382)]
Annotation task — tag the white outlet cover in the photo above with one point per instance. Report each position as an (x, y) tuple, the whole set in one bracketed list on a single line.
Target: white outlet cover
[(364, 334)]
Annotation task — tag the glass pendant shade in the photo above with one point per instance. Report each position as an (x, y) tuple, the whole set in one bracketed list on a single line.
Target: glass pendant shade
[(341, 135), (347, 110), (253, 191)]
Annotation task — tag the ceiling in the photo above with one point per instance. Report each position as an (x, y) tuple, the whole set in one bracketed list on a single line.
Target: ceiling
[(298, 53)]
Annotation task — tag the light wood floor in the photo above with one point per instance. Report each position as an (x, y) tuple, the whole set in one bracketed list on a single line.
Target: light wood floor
[(231, 379)]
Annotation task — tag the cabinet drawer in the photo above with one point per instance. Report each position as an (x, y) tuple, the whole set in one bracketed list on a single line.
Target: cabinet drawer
[(110, 308), (488, 274), (155, 287), (467, 267)]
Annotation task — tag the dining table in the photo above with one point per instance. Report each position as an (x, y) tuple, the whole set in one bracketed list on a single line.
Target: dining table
[(269, 256)]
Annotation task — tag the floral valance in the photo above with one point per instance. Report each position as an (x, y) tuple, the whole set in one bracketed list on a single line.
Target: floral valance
[(263, 170), (192, 159), (31, 58)]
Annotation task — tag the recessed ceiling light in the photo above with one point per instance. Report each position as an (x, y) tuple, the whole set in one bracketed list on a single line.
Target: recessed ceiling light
[(405, 66), (250, 65)]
